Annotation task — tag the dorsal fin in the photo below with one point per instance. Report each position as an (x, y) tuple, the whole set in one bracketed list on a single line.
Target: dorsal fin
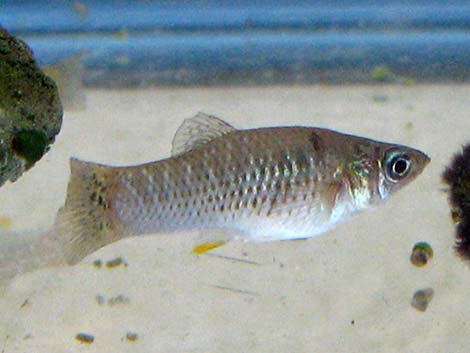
[(197, 131)]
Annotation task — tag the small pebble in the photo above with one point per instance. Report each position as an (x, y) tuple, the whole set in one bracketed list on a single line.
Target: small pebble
[(25, 303), (84, 338), (379, 98), (97, 263), (131, 336), (100, 299), (120, 299), (421, 254), (5, 222), (422, 298), (116, 262), (409, 126)]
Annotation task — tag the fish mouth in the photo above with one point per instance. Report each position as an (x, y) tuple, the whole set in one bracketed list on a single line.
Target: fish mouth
[(426, 159), (423, 159)]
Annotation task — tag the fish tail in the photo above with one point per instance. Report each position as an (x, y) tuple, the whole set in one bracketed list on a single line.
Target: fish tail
[(87, 222), (26, 251)]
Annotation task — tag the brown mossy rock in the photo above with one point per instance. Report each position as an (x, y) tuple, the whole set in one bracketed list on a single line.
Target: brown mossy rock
[(30, 109)]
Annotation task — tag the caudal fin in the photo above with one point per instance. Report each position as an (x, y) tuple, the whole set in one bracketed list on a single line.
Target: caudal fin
[(87, 221), (25, 251)]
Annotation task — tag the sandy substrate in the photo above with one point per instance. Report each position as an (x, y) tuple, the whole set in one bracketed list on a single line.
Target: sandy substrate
[(347, 291)]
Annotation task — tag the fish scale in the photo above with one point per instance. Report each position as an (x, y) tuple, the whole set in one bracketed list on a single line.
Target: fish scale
[(264, 184), (212, 187)]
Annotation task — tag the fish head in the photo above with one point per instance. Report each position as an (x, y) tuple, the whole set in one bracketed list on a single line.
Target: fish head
[(375, 170), (397, 166)]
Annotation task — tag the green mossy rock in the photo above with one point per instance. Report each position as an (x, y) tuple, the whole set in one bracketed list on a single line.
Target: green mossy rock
[(30, 109)]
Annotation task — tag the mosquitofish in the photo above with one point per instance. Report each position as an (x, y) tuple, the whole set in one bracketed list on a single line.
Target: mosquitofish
[(265, 184)]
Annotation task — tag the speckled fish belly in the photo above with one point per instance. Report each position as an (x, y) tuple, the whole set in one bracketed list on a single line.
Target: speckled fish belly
[(265, 184)]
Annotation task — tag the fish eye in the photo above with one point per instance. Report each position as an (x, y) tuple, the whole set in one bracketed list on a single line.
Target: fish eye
[(397, 165)]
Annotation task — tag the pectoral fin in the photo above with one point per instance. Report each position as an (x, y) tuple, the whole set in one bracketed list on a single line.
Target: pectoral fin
[(205, 247)]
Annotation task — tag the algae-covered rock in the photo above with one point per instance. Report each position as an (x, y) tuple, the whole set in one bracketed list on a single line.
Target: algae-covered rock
[(30, 109)]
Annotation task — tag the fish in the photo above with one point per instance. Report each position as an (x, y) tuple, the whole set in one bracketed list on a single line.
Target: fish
[(68, 75), (263, 184)]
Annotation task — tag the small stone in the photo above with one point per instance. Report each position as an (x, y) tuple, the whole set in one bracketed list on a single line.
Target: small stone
[(5, 222), (116, 262), (132, 336), (422, 298), (100, 299), (380, 98), (421, 254), (120, 299), (25, 304), (97, 263), (85, 338)]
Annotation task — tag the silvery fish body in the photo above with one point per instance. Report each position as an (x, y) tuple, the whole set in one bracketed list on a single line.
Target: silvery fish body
[(264, 184)]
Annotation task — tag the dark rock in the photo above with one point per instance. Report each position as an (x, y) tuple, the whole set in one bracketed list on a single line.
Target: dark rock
[(30, 109)]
